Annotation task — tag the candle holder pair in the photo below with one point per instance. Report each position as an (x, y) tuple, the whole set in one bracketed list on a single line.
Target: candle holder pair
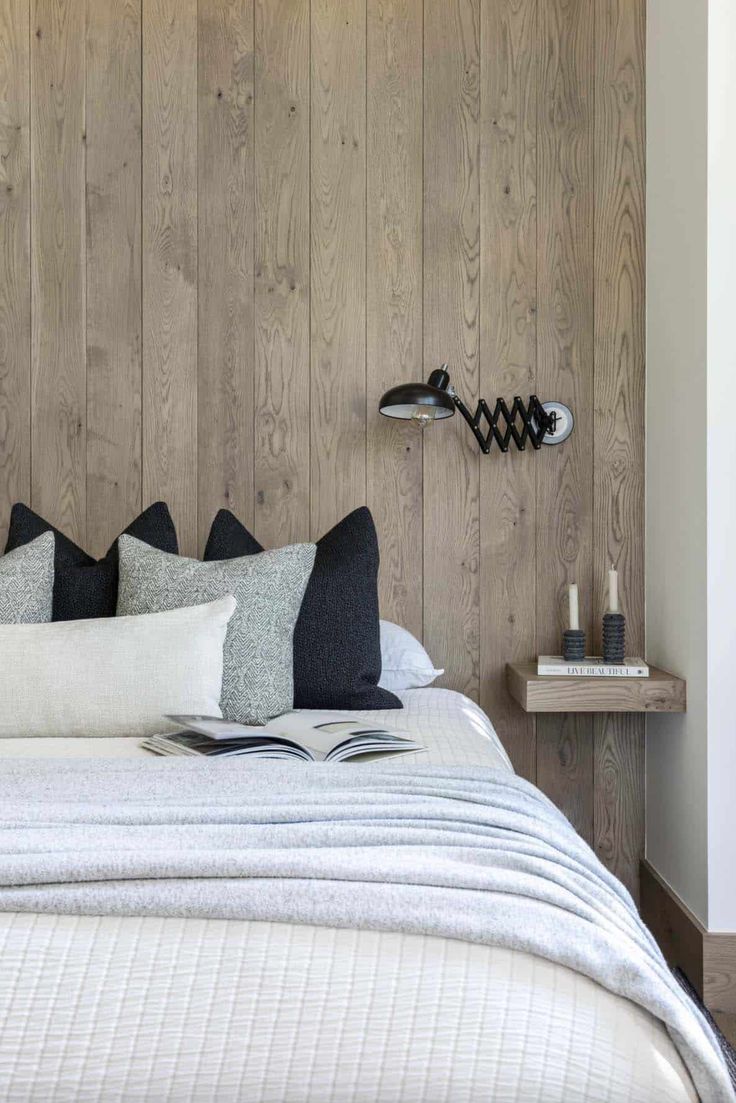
[(614, 641)]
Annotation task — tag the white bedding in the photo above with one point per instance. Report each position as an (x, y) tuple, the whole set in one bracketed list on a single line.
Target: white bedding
[(234, 1012), (453, 728), (200, 1010)]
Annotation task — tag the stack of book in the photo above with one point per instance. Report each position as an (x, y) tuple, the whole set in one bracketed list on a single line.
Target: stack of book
[(592, 667)]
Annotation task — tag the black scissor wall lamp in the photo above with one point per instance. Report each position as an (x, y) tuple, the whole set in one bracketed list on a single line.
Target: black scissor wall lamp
[(537, 422)]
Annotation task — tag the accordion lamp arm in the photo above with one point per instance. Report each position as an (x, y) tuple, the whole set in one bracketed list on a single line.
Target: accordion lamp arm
[(534, 422)]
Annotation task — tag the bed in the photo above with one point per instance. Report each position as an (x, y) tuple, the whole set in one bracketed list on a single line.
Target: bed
[(173, 1008)]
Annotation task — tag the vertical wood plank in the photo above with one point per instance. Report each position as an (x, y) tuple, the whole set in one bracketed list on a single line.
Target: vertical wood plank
[(15, 261), (451, 333), (508, 359), (282, 430), (565, 371), (619, 407), (113, 115), (394, 297), (619, 795), (338, 254), (225, 232), (58, 373), (170, 261), (565, 766)]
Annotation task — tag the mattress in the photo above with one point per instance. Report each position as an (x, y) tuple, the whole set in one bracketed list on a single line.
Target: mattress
[(154, 1009)]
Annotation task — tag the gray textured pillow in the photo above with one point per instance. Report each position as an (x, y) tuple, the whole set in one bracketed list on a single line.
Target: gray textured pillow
[(27, 582), (258, 676)]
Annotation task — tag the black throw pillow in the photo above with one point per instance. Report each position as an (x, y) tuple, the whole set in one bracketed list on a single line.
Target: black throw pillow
[(337, 640), (85, 587)]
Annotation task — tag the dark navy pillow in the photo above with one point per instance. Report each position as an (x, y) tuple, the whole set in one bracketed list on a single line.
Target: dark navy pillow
[(337, 640), (85, 587)]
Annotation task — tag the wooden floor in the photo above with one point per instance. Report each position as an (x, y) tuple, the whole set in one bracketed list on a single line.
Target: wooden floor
[(727, 1023)]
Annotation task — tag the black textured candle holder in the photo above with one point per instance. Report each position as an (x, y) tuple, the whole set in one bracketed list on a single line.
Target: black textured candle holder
[(573, 645), (614, 638)]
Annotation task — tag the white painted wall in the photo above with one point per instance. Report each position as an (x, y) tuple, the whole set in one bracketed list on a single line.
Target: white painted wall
[(691, 445), (721, 465), (676, 766)]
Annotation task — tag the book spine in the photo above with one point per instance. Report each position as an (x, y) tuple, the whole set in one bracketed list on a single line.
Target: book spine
[(573, 671)]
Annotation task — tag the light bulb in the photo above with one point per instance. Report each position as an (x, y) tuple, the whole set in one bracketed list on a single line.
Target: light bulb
[(424, 415)]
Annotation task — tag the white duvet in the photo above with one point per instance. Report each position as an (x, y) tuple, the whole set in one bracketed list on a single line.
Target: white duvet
[(172, 1009)]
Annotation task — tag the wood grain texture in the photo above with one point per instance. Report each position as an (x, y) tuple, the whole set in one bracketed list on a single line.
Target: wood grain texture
[(719, 972), (727, 1025), (338, 255), (565, 370), (618, 801), (508, 346), (660, 692), (394, 296), (15, 261), (225, 229), (282, 429), (170, 261), (619, 403), (565, 766), (451, 333), (58, 374), (113, 126)]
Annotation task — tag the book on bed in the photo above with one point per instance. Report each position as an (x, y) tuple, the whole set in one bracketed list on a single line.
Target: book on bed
[(302, 736)]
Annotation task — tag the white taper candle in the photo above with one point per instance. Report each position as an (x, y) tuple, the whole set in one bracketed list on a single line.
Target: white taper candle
[(613, 591), (574, 607)]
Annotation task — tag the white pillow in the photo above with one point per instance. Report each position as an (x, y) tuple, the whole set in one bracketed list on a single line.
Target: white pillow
[(404, 662), (112, 676)]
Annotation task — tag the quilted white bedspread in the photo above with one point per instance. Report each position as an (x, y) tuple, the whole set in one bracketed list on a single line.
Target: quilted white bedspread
[(224, 1011), (173, 1009), (454, 730)]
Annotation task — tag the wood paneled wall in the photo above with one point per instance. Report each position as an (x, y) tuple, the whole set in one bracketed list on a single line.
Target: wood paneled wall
[(226, 226)]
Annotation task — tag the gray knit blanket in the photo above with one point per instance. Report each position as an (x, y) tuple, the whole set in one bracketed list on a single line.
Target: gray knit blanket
[(474, 854)]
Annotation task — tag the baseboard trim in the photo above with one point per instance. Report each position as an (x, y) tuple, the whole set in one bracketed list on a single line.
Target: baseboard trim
[(708, 959)]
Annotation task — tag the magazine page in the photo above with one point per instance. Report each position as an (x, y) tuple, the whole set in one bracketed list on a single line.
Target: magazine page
[(192, 743), (215, 727), (320, 731)]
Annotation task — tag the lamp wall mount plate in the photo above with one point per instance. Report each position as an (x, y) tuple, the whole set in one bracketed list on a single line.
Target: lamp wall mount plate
[(564, 422)]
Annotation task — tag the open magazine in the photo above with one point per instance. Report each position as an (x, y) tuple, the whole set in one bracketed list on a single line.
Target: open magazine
[(306, 736)]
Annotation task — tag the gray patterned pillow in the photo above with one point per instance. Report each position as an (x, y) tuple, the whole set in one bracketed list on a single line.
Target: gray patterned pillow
[(27, 582), (258, 676)]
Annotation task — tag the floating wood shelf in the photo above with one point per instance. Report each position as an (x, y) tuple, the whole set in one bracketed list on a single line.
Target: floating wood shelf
[(660, 692)]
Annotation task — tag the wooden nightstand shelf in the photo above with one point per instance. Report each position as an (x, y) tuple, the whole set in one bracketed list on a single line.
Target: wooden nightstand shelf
[(660, 692)]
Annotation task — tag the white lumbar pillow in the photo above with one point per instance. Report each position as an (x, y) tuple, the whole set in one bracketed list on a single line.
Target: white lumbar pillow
[(113, 676), (404, 662)]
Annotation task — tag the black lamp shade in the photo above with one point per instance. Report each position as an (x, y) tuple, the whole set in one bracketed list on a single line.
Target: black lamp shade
[(409, 400)]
